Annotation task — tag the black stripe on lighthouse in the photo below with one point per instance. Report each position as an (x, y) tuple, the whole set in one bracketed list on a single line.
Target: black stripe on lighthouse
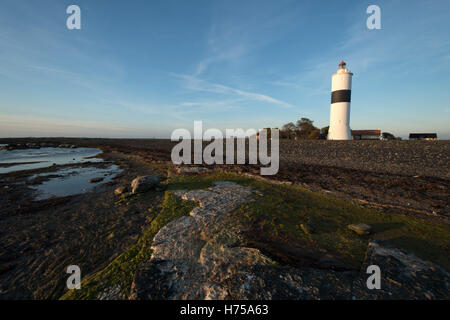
[(341, 96)]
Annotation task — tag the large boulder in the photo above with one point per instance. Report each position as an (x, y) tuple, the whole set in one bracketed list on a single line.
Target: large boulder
[(144, 183)]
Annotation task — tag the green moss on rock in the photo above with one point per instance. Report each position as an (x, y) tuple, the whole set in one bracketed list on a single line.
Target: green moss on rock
[(120, 272)]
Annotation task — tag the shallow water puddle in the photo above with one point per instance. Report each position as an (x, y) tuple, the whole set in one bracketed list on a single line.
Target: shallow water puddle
[(71, 181), (30, 159)]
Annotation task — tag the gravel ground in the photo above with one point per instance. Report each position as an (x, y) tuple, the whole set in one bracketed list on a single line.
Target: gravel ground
[(411, 177), (423, 158)]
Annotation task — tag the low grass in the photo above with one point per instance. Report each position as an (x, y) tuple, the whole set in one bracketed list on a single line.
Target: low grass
[(121, 271), (283, 209), (203, 181)]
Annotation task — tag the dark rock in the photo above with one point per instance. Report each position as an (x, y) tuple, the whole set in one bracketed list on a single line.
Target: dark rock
[(144, 183), (403, 275), (120, 190)]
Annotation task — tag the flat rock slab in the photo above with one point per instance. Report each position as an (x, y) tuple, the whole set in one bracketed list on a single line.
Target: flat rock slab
[(191, 253), (360, 228)]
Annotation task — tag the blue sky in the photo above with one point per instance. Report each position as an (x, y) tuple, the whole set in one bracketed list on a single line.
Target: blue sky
[(144, 68)]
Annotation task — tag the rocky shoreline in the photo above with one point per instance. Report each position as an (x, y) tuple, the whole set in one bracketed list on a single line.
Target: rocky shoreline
[(409, 158), (41, 237), (35, 145)]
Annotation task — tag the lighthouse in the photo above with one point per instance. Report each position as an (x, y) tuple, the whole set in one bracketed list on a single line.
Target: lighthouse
[(341, 89)]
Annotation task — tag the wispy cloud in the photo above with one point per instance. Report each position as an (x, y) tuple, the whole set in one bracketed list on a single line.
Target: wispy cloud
[(194, 83), (210, 105)]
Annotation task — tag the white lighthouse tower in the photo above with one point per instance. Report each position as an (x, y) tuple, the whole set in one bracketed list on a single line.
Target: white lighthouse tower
[(341, 89)]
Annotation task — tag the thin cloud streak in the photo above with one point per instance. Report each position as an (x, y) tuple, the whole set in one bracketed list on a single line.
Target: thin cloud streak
[(196, 84)]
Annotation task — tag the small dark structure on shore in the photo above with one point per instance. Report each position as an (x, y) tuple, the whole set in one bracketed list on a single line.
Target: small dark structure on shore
[(388, 136), (422, 136), (366, 134)]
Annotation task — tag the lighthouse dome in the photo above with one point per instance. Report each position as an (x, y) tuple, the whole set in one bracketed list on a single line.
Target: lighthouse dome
[(343, 68)]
